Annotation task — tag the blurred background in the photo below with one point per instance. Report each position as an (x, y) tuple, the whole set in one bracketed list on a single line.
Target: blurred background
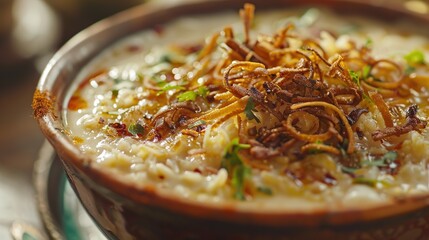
[(30, 32)]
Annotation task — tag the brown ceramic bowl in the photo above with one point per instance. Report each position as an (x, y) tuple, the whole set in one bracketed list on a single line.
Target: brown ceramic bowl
[(122, 211)]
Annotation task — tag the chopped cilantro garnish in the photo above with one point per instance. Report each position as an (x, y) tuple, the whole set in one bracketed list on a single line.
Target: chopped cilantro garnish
[(409, 70), (187, 96), (115, 93), (160, 83), (343, 148), (348, 170), (117, 80), (159, 79), (415, 57), (366, 71), (168, 87), (28, 236), (384, 161), (265, 190), (315, 150), (171, 58), (368, 42), (249, 109), (165, 59), (236, 168), (369, 182), (238, 180), (355, 77), (136, 129), (202, 91), (192, 95)]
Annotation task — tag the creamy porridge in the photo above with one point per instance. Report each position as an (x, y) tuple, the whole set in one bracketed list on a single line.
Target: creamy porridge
[(281, 110)]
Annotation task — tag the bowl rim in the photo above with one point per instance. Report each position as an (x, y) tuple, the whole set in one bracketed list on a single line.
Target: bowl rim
[(47, 112)]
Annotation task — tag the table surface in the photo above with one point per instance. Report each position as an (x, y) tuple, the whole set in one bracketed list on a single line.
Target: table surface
[(20, 140)]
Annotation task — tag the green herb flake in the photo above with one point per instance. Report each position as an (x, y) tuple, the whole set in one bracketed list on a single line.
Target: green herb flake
[(203, 91), (366, 71), (390, 156), (365, 181), (187, 96), (28, 236), (197, 123), (160, 83), (355, 77), (136, 129), (165, 59), (369, 182), (367, 98), (409, 70), (238, 171), (159, 79), (117, 80), (369, 42), (250, 109), (240, 174), (168, 87), (265, 190), (384, 161), (415, 57), (348, 170), (192, 95), (172, 57), (115, 94)]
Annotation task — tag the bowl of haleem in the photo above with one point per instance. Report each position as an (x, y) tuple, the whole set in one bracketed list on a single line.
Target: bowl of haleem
[(234, 120)]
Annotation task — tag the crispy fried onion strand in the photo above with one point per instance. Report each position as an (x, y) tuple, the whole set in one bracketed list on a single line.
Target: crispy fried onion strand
[(306, 99), (247, 15), (320, 147), (340, 113), (382, 107), (310, 124), (222, 114), (413, 124)]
